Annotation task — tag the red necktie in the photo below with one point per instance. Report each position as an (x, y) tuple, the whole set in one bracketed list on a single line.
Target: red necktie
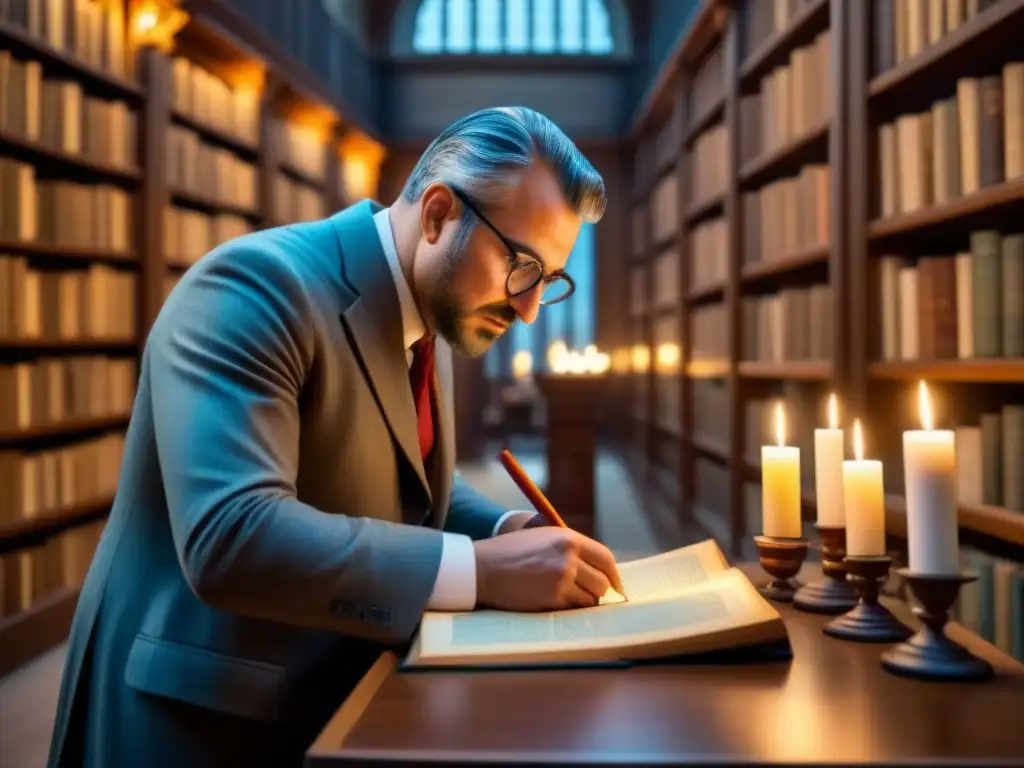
[(421, 375)]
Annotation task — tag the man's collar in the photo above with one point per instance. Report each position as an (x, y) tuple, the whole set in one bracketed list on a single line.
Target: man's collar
[(413, 327)]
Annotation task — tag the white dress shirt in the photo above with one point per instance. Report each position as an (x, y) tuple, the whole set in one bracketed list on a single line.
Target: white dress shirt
[(455, 587)]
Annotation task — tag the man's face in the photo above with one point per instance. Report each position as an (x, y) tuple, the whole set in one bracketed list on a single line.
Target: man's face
[(461, 282)]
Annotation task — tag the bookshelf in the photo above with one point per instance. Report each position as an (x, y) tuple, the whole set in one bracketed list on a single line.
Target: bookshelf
[(852, 185), (123, 159)]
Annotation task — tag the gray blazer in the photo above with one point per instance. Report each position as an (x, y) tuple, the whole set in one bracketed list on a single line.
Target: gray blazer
[(274, 526)]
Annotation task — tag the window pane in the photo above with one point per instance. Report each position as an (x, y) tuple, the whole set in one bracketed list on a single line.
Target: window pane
[(458, 26), (427, 37), (571, 26), (599, 31), (543, 26), (517, 33), (488, 26)]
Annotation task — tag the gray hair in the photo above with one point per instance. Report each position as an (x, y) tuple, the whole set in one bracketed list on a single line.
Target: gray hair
[(485, 153)]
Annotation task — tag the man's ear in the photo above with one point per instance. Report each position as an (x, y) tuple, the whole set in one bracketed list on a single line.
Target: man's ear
[(437, 204)]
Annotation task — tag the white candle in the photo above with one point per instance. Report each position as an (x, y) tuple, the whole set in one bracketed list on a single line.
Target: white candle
[(929, 463), (863, 501), (780, 485), (828, 469)]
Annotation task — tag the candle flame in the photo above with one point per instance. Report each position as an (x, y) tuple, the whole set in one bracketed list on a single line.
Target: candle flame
[(925, 405), (780, 424), (833, 411), (858, 441)]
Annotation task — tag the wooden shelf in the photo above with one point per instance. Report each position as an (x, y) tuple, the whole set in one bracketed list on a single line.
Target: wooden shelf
[(711, 447), (788, 158), (1003, 524), (982, 371), (43, 626), (213, 135), (796, 262), (71, 428), (705, 209), (707, 369), (56, 253), (20, 534), (20, 42), (211, 208), (811, 370), (802, 29), (70, 345), (707, 120), (301, 176), (44, 158), (973, 209), (952, 52), (706, 294)]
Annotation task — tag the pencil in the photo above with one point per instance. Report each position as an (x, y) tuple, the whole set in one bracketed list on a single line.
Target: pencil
[(529, 489)]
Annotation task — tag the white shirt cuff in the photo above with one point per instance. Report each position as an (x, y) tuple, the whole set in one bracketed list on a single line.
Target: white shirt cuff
[(506, 516), (455, 587)]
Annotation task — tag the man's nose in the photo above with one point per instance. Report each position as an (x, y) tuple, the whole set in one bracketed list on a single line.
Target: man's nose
[(527, 305)]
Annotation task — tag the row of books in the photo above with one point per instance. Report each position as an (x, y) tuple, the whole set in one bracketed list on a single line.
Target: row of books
[(709, 331), (208, 172), (791, 101), (664, 209), (294, 201), (971, 140), (209, 100), (707, 84), (189, 235), (989, 456), (787, 216), (302, 148), (666, 404), (93, 33), (711, 497), (965, 305), (711, 412), (638, 228), (62, 213), (665, 280), (709, 254), (760, 19), (58, 115), (45, 482), (792, 325), (904, 29), (709, 164), (98, 302), (638, 291), (32, 576), (55, 390), (993, 606)]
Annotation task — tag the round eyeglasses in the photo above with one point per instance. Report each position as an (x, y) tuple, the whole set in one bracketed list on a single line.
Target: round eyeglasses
[(526, 271)]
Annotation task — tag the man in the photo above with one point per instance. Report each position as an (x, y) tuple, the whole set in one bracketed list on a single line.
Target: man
[(288, 505)]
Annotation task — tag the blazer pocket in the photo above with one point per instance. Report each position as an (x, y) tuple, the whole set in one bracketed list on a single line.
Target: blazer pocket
[(242, 687)]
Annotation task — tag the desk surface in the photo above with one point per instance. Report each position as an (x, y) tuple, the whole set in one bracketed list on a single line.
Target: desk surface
[(831, 704)]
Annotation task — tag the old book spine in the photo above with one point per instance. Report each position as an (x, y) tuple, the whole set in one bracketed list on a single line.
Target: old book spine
[(1013, 111), (992, 458), (987, 285), (1013, 457), (926, 307), (943, 284), (1013, 295), (991, 131), (884, 31), (964, 306)]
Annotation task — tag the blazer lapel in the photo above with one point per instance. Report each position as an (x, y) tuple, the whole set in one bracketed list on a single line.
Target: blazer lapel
[(374, 323), (444, 461)]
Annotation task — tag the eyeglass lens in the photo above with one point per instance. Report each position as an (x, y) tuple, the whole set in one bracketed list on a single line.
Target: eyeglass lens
[(525, 276)]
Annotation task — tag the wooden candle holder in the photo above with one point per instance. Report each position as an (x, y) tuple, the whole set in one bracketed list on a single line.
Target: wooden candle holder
[(929, 654), (832, 593), (781, 559), (868, 621)]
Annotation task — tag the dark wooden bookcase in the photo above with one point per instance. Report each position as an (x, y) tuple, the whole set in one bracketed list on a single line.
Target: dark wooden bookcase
[(38, 582), (702, 478)]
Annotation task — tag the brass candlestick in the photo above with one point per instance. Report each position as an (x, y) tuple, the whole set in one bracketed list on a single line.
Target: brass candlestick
[(868, 621), (930, 654), (832, 593), (781, 559)]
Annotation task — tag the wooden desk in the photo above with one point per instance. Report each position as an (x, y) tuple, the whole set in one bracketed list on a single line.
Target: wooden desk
[(831, 704)]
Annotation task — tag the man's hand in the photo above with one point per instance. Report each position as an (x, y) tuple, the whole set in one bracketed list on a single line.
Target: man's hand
[(543, 569)]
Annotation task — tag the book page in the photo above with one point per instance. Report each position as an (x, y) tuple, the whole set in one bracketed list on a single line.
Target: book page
[(722, 603), (669, 573)]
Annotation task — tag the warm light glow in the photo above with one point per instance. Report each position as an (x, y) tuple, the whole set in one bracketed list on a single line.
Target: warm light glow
[(924, 403), (522, 365), (858, 441), (588, 361), (780, 424), (641, 358), (155, 23), (667, 357), (360, 168), (833, 411)]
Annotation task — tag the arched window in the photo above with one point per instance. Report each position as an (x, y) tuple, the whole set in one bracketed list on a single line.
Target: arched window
[(545, 27)]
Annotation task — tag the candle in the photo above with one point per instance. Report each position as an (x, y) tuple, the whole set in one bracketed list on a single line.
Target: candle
[(828, 469), (780, 485), (863, 501), (929, 463)]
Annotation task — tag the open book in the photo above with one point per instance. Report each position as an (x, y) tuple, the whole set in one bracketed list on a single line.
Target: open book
[(681, 602)]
